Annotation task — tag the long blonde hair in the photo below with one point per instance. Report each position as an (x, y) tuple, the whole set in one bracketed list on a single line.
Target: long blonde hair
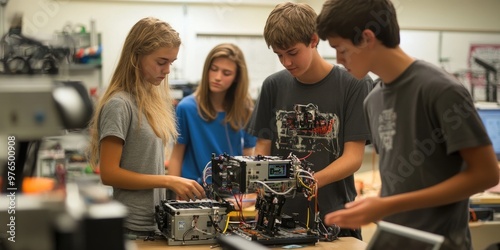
[(155, 102), (237, 102)]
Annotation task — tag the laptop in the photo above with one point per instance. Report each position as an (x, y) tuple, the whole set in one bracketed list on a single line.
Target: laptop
[(390, 236)]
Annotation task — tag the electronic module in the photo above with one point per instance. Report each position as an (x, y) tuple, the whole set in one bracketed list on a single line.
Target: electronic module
[(190, 222)]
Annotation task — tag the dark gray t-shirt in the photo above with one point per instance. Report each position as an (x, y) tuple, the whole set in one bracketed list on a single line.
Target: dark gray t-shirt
[(419, 123), (143, 152), (313, 121)]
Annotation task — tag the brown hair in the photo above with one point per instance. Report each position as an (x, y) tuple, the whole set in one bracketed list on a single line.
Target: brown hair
[(238, 103), (289, 24), (349, 18)]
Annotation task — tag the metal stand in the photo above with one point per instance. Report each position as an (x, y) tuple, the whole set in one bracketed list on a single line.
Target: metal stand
[(491, 87), (269, 208)]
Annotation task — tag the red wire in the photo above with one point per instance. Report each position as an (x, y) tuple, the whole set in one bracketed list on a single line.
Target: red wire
[(303, 158)]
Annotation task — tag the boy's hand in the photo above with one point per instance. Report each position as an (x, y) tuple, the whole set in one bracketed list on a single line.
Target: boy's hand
[(358, 213), (186, 189)]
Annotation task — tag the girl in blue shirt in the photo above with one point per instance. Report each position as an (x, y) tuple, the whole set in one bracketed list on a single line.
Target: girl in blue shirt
[(212, 119)]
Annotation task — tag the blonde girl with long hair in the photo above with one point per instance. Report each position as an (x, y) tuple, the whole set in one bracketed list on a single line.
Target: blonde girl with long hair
[(133, 122), (212, 119)]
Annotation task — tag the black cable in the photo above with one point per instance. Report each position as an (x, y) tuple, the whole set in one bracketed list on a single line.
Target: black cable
[(185, 233), (328, 234), (215, 225)]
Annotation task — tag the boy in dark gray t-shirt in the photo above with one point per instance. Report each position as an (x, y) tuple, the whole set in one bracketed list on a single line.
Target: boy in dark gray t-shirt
[(312, 109), (434, 150)]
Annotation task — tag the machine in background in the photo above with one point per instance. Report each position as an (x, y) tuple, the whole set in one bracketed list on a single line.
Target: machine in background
[(32, 108), (80, 216)]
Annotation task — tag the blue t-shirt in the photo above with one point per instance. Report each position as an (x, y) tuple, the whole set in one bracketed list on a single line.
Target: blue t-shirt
[(203, 138)]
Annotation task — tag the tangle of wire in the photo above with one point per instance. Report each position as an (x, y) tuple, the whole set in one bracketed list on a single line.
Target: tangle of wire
[(194, 227), (207, 172), (304, 179), (274, 191)]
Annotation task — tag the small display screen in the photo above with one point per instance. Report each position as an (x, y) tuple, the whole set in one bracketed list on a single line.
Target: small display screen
[(277, 170)]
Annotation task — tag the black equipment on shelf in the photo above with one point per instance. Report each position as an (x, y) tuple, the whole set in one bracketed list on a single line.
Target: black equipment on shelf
[(491, 87)]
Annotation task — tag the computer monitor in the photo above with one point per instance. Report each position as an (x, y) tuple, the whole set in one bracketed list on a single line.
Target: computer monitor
[(491, 120), (390, 236)]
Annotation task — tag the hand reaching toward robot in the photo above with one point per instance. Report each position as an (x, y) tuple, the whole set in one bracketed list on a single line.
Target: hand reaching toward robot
[(186, 189)]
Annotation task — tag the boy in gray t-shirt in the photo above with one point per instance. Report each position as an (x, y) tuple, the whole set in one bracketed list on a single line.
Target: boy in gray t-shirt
[(312, 109), (434, 150)]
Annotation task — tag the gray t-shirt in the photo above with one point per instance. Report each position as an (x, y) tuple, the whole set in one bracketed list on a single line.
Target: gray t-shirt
[(143, 152), (419, 123), (313, 121)]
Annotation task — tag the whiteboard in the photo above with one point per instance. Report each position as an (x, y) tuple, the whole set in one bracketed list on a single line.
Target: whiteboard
[(423, 45)]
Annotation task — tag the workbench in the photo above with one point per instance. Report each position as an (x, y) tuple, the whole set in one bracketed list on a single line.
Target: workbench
[(342, 243)]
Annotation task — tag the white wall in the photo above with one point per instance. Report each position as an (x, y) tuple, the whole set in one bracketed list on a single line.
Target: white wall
[(441, 31), (245, 22), (42, 18), (443, 14)]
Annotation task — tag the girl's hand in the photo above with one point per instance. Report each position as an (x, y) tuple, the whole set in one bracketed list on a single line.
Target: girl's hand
[(186, 189)]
